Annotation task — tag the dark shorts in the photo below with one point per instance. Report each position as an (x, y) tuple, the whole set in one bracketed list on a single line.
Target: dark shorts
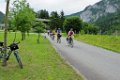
[(58, 35)]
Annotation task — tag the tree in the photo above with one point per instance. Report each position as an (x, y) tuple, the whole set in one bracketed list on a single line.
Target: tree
[(39, 28), (5, 31), (23, 17), (55, 20), (90, 28), (62, 19), (43, 14), (73, 22)]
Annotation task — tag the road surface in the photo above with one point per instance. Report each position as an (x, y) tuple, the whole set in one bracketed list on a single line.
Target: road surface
[(93, 62)]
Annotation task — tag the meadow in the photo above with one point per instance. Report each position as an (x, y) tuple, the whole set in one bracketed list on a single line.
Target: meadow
[(110, 42)]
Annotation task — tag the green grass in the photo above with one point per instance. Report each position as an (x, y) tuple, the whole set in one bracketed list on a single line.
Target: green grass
[(64, 34), (109, 42), (41, 62)]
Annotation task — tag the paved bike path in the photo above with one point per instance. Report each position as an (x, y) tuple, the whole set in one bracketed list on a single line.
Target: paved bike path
[(93, 62)]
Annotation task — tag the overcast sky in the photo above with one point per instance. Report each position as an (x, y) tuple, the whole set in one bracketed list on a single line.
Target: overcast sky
[(68, 6)]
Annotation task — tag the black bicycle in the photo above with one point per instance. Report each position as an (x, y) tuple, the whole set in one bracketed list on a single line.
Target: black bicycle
[(12, 48), (59, 38), (70, 42)]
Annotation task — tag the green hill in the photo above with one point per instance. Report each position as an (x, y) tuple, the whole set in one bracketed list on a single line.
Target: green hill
[(1, 17)]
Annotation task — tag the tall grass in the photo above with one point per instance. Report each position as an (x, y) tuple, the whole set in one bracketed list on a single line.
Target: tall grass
[(41, 62), (106, 41)]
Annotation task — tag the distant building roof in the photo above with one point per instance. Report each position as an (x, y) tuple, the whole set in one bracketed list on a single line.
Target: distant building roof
[(43, 20)]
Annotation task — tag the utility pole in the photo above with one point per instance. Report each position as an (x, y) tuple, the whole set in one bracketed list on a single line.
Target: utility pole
[(5, 31)]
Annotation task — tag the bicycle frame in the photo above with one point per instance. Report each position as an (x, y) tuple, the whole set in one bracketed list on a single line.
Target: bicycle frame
[(8, 55)]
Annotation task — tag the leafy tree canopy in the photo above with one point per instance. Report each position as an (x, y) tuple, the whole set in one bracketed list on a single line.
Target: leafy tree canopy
[(73, 22)]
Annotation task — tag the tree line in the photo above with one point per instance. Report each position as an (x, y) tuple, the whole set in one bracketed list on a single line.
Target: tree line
[(59, 20)]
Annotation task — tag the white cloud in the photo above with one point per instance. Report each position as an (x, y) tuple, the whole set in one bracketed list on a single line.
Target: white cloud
[(2, 6), (68, 6)]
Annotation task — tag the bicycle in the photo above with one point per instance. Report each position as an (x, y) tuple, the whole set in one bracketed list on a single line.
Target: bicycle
[(12, 49), (53, 36), (58, 38), (70, 41)]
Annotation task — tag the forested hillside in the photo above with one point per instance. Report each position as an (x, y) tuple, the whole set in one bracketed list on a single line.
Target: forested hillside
[(109, 23), (1, 16)]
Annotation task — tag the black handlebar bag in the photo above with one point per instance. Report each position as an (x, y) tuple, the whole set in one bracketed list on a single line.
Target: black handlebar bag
[(14, 46)]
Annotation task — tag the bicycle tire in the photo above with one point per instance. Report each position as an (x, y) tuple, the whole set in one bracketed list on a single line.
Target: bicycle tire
[(1, 54), (18, 59), (8, 55), (59, 41), (71, 42), (0, 57)]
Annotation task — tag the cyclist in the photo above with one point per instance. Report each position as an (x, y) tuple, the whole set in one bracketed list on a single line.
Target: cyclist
[(53, 34), (58, 34), (70, 34), (48, 32)]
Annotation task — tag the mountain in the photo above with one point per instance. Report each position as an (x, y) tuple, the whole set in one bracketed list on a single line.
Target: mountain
[(1, 16), (109, 23), (93, 12), (74, 14)]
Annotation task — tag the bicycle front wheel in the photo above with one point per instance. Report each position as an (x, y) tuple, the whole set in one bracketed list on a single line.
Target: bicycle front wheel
[(71, 42), (18, 59), (59, 40)]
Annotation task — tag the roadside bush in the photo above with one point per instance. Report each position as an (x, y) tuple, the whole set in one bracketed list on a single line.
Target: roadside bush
[(90, 28)]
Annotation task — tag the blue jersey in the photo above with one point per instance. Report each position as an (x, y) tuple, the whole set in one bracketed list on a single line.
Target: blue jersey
[(58, 31)]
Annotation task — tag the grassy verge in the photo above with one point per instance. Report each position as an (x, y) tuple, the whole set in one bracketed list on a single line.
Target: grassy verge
[(64, 34), (105, 41), (41, 62)]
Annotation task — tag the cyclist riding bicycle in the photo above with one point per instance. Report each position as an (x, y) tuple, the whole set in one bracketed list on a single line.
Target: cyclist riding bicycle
[(53, 34), (70, 34), (58, 34)]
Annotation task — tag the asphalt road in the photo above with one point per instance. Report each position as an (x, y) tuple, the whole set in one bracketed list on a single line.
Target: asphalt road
[(93, 62)]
